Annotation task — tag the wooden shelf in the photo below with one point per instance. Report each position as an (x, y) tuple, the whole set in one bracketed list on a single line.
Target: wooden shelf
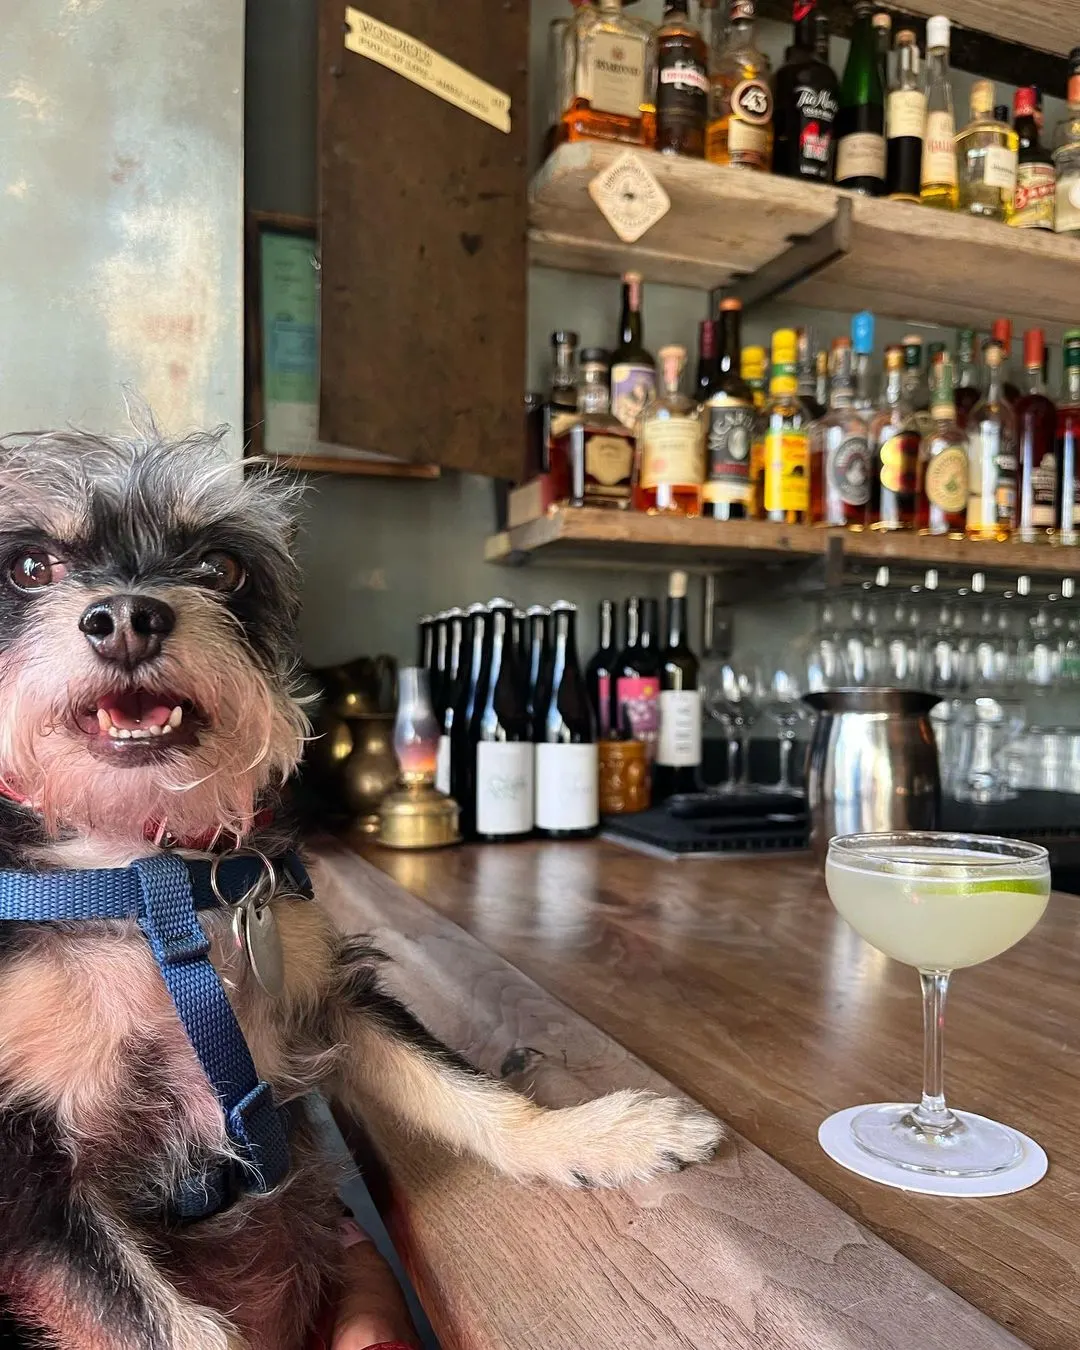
[(759, 235), (624, 538)]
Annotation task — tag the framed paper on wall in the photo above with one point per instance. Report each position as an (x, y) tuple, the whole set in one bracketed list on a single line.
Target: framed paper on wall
[(282, 388)]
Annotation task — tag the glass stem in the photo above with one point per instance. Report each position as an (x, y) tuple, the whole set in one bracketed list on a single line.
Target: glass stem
[(932, 1114), (785, 764), (744, 753), (732, 760)]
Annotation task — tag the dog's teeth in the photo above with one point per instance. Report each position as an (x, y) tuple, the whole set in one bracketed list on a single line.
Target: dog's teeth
[(114, 733), (140, 733), (125, 734), (176, 717), (156, 731), (104, 720)]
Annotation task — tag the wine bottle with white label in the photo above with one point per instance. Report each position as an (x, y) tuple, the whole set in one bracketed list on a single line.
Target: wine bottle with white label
[(567, 765), (444, 698), (460, 717), (678, 756), (500, 737), (860, 123)]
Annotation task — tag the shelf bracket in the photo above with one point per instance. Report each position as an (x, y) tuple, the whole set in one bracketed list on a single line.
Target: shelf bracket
[(806, 255)]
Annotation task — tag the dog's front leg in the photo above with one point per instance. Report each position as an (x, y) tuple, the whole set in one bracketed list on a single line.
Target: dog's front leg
[(388, 1057)]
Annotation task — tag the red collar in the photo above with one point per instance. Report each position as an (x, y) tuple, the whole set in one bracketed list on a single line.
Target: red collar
[(156, 832)]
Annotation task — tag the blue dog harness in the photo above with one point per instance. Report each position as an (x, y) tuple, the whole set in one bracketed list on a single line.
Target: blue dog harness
[(165, 895)]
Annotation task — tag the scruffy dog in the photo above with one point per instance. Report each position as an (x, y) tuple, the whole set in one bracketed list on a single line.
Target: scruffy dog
[(147, 651)]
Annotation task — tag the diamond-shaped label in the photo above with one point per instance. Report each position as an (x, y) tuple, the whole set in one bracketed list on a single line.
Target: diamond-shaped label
[(629, 197)]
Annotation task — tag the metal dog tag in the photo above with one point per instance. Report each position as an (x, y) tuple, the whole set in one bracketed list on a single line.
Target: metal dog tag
[(262, 946)]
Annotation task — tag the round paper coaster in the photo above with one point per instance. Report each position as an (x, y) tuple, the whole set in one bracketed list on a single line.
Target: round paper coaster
[(836, 1139)]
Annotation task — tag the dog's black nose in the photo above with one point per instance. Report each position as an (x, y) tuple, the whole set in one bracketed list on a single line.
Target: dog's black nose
[(127, 629)]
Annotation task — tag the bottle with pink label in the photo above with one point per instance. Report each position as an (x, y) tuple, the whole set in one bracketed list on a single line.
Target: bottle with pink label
[(637, 676)]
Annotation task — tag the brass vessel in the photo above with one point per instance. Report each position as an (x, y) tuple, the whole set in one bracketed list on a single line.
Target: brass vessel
[(371, 770)]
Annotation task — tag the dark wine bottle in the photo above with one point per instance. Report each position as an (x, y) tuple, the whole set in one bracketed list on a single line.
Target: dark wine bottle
[(538, 650), (860, 123), (633, 368), (707, 366), (443, 699), (806, 99), (567, 764), (439, 648), (598, 673), (459, 716), (637, 676), (906, 122), (678, 755), (425, 649), (500, 737)]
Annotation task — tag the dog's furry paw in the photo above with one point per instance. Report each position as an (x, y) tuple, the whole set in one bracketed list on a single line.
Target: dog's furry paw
[(632, 1136)]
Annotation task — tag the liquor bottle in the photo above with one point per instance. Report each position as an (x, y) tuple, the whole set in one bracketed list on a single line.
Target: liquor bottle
[(938, 176), (1001, 332), (538, 650), (458, 634), (678, 754), (637, 676), (682, 83), (986, 159), (968, 381), (840, 452), (821, 36), (600, 670), (1036, 433), (731, 418), (862, 347), (670, 464), (941, 506), (1067, 156), (787, 439), (806, 371), (633, 370), (740, 128), (821, 377), (1033, 205), (991, 432), (425, 646), (601, 448), (501, 738), (708, 361), (806, 99), (752, 369), (459, 717), (713, 21), (916, 384), (894, 444), (860, 123), (905, 122), (1067, 488), (567, 764), (560, 412), (611, 65)]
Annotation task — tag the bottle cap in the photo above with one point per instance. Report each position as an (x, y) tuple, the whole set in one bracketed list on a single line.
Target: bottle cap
[(631, 278), (707, 337), (1025, 102), (756, 355), (1001, 333), (906, 38), (994, 353), (677, 586), (784, 344), (1034, 347), (982, 96), (862, 332), (563, 607), (500, 603), (894, 358), (537, 611), (477, 607), (595, 356), (937, 31), (562, 337), (426, 618), (882, 21), (1072, 337), (730, 305), (674, 352)]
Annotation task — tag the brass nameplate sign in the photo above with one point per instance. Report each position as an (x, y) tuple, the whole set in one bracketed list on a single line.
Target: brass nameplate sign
[(423, 66)]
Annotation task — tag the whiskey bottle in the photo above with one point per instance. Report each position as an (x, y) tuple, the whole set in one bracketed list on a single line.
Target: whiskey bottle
[(986, 159), (806, 370), (741, 106), (968, 379), (862, 347), (938, 176), (601, 447), (560, 412), (731, 419), (611, 67), (860, 123), (787, 439), (682, 83), (1036, 430), (633, 370), (678, 752), (752, 369), (941, 508), (894, 443), (806, 101), (991, 433), (1067, 488), (916, 385), (839, 452), (905, 122), (670, 467), (1033, 205), (1067, 156), (1001, 332)]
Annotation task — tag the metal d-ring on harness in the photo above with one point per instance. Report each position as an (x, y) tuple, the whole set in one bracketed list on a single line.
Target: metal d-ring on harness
[(165, 895)]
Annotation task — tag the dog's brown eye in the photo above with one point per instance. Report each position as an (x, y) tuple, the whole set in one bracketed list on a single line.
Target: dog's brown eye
[(35, 570), (221, 572)]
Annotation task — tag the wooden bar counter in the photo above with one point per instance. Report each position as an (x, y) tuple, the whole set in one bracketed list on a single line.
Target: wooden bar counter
[(735, 981)]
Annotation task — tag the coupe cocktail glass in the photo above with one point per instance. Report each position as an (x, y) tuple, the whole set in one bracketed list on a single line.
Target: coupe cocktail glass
[(937, 902)]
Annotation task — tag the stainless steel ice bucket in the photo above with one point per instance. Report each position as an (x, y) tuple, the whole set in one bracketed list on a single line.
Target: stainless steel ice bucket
[(873, 763)]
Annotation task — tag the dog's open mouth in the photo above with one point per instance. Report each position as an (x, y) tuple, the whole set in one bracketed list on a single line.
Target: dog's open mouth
[(140, 724)]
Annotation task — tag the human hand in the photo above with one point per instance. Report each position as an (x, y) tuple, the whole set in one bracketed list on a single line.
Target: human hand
[(371, 1311)]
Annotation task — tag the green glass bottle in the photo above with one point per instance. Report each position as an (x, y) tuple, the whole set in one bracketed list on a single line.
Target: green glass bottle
[(860, 124)]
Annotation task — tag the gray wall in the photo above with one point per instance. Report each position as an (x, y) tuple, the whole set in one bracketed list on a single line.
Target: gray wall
[(121, 211), (378, 552)]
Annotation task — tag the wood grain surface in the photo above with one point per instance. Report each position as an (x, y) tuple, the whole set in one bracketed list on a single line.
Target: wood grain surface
[(738, 982), (739, 1254)]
